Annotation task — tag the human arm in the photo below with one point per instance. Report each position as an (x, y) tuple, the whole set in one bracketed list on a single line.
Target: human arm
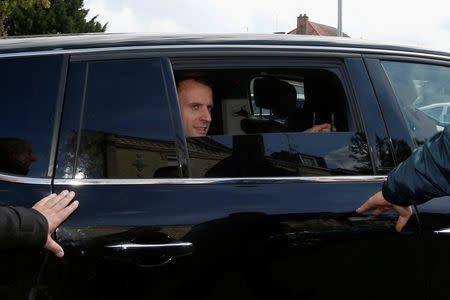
[(423, 176), (22, 227), (32, 228)]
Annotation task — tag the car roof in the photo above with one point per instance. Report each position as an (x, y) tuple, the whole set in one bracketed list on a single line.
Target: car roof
[(123, 40)]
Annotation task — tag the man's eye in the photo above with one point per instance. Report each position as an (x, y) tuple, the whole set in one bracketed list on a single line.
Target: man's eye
[(195, 107)]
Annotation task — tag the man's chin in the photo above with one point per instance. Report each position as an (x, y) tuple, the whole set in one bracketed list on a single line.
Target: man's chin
[(198, 135)]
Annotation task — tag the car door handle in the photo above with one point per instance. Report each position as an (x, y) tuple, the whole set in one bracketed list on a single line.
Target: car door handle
[(149, 255), (361, 218), (445, 231), (175, 248)]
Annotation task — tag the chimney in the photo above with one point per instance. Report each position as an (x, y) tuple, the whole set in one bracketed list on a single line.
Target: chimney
[(302, 21)]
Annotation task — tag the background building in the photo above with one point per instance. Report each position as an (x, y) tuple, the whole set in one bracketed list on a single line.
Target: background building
[(304, 26)]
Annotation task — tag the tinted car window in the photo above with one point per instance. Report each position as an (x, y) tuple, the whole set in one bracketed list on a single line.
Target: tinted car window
[(280, 154), (423, 94), (260, 126), (124, 129), (28, 97)]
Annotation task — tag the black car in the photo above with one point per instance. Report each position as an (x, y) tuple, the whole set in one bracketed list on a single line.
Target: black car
[(258, 208)]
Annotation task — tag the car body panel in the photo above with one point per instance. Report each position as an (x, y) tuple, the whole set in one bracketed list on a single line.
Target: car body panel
[(21, 267), (259, 239), (245, 237)]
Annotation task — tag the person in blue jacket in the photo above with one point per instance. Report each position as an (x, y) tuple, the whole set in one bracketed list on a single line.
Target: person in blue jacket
[(22, 227), (421, 177)]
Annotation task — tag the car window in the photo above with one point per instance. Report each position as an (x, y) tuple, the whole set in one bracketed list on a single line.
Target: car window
[(280, 154), (123, 128), (423, 94), (29, 95), (260, 126)]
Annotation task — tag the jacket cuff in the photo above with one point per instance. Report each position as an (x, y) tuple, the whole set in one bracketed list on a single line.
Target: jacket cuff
[(390, 197), (33, 229)]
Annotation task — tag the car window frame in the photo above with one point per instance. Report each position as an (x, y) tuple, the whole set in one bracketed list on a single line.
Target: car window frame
[(194, 52), (57, 113), (168, 80), (325, 62), (389, 104)]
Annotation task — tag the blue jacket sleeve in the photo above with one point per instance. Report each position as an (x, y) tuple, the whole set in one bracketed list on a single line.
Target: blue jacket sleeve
[(424, 175), (22, 228)]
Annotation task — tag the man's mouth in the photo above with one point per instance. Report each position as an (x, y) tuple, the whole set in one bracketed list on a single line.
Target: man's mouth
[(202, 130)]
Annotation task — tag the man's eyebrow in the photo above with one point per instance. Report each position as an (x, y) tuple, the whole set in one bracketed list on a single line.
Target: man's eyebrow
[(200, 103)]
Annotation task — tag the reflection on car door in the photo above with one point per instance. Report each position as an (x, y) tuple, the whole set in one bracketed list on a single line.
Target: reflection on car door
[(216, 238)]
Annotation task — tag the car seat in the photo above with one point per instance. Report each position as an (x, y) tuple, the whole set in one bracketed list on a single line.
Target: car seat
[(276, 95)]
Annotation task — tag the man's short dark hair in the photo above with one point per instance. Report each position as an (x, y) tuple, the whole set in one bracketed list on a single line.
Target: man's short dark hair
[(202, 80)]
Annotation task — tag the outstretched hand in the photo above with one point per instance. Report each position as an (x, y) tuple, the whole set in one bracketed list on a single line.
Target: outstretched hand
[(377, 204), (325, 127), (56, 208)]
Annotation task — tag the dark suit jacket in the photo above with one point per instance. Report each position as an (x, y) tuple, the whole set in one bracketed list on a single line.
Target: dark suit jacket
[(22, 228)]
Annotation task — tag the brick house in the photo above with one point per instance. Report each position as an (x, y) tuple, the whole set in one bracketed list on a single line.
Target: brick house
[(304, 26)]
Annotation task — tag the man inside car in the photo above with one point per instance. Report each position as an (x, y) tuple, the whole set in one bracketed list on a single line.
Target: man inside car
[(195, 96)]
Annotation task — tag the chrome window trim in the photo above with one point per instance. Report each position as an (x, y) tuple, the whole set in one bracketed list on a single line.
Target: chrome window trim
[(25, 180), (358, 50), (195, 181), (170, 181)]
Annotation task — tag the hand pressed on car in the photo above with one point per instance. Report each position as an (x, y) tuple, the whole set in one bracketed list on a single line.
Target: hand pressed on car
[(378, 205), (56, 208)]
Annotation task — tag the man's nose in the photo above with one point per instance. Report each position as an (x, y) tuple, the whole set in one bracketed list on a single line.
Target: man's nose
[(206, 115)]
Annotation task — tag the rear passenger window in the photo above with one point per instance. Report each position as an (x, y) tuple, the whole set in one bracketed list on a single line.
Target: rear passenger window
[(264, 123), (423, 94), (116, 122), (28, 99)]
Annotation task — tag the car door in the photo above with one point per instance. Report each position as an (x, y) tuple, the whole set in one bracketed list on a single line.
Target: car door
[(288, 227), (147, 228), (418, 96), (117, 137), (30, 100)]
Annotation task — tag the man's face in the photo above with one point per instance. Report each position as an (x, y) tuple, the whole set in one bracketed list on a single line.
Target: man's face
[(195, 104)]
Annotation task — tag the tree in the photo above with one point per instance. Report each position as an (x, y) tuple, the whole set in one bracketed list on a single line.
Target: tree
[(61, 16), (8, 6)]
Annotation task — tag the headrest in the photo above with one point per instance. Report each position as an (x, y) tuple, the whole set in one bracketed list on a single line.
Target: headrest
[(275, 94)]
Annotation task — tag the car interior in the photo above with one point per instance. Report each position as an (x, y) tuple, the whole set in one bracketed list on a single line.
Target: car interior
[(261, 101), (258, 121)]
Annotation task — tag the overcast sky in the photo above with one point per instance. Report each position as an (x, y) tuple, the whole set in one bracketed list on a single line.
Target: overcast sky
[(419, 23)]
